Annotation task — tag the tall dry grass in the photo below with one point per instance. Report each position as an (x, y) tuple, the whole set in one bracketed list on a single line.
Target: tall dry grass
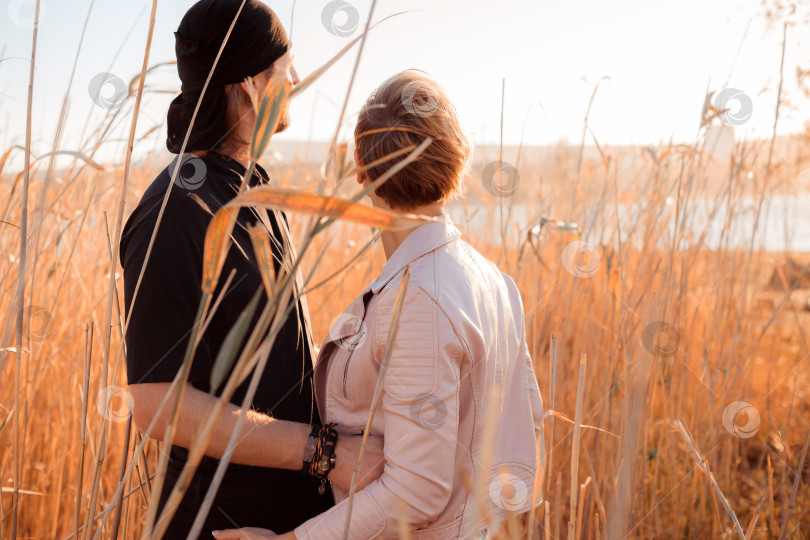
[(736, 339), (641, 334)]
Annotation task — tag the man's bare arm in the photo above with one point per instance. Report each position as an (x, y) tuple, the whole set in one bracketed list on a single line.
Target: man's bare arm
[(263, 441)]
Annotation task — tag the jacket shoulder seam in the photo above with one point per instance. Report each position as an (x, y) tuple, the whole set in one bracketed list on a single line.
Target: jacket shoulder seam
[(458, 336)]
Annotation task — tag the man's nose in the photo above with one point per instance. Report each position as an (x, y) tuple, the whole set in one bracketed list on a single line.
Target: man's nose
[(294, 75)]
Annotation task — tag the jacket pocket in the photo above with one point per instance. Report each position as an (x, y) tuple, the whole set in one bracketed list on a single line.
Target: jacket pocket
[(442, 532)]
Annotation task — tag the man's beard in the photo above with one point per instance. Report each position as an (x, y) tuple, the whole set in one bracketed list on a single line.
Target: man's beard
[(284, 121)]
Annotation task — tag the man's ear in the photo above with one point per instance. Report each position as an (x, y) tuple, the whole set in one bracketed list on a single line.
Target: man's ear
[(247, 83)]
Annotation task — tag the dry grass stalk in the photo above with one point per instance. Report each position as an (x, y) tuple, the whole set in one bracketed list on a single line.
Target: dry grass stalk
[(119, 502), (333, 145), (704, 466), (85, 398), (749, 533), (797, 479), (111, 295), (20, 295), (572, 518), (583, 489)]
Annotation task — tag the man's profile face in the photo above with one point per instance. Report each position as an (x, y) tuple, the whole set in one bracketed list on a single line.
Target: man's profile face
[(281, 70), (283, 67)]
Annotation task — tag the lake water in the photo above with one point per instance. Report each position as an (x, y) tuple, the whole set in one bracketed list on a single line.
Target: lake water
[(784, 222)]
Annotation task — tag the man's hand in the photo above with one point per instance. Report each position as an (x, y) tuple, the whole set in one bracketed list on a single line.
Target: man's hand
[(245, 533), (346, 453)]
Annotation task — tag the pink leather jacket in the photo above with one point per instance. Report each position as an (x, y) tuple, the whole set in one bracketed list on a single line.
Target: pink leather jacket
[(461, 348)]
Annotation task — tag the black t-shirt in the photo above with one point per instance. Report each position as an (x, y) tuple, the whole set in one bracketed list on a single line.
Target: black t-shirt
[(160, 326)]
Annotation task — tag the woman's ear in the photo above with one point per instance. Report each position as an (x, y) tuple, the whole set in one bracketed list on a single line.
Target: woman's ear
[(361, 175)]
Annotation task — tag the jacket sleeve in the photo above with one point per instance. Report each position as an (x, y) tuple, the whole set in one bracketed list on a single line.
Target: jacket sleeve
[(534, 389), (421, 414)]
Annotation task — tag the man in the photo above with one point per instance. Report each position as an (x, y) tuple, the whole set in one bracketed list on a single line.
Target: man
[(263, 485)]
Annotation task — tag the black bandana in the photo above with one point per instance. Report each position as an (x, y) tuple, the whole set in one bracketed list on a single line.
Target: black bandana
[(256, 41)]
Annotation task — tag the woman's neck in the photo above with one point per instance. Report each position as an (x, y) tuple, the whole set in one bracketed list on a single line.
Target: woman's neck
[(391, 240)]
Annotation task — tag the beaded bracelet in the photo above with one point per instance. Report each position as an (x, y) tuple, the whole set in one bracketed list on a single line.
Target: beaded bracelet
[(323, 457)]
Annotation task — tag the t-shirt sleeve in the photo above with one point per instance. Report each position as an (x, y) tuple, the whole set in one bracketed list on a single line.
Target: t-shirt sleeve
[(162, 317)]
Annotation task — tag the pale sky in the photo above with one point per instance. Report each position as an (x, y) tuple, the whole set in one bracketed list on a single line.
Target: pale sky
[(660, 57)]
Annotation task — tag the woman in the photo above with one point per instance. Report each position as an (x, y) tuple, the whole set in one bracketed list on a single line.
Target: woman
[(460, 365)]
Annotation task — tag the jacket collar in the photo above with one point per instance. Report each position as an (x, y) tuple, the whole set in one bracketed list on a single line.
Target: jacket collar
[(423, 239)]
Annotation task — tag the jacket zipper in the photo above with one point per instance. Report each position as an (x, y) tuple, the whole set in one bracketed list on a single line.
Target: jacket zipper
[(345, 375), (326, 385)]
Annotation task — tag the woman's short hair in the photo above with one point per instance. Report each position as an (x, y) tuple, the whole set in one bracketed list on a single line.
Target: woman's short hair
[(403, 112)]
